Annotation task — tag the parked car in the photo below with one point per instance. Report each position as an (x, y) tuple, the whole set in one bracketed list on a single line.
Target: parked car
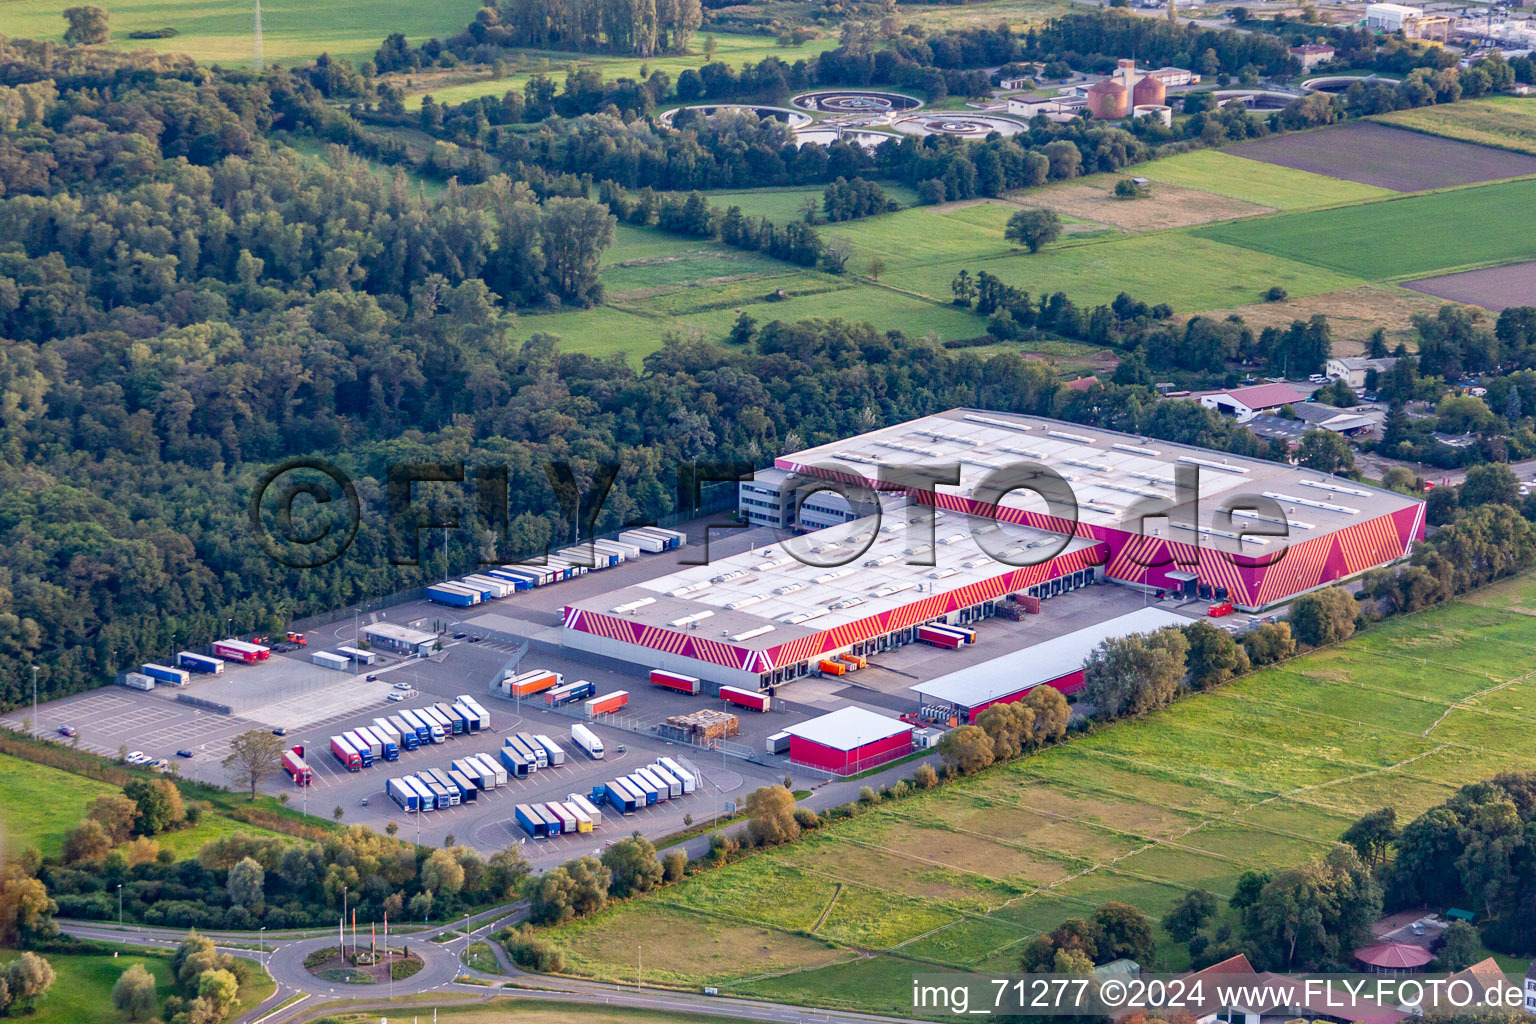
[(136, 757), (183, 753), (373, 679), (402, 686), (392, 698), (66, 730), (280, 731), (459, 636)]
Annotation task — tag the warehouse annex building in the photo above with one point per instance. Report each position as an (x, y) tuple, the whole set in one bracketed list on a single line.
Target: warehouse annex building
[(849, 740), (763, 617)]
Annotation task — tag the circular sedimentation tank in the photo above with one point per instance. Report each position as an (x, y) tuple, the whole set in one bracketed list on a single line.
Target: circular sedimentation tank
[(1161, 111), (958, 123), (1255, 99), (792, 118), (855, 102)]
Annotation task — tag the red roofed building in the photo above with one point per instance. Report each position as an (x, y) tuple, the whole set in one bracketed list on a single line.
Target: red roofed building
[(1081, 383), (1283, 998), (1245, 403), (1310, 55), (1393, 957)]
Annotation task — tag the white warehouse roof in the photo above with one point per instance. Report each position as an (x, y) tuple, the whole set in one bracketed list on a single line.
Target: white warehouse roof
[(848, 728), (399, 634), (1041, 663)]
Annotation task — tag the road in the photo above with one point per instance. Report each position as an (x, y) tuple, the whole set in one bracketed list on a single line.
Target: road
[(444, 972), (1375, 465)]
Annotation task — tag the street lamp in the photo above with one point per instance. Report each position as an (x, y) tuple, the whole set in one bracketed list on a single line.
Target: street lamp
[(34, 702), (119, 904), (261, 945)]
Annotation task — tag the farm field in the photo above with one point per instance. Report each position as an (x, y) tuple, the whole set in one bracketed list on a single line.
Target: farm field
[(1353, 314), (1384, 240), (1251, 181), (1164, 205), (1391, 158), (1494, 288), (1015, 14), (781, 205), (220, 31), (963, 876), (461, 84), (1508, 122)]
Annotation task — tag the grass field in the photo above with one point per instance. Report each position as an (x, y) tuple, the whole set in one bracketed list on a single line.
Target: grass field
[(460, 84), (82, 990), (1398, 238), (1508, 122), (1015, 14), (221, 30), (1266, 772), (1353, 314), (1251, 181), (43, 803)]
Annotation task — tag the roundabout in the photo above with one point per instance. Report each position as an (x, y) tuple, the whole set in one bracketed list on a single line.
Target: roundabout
[(846, 102), (959, 124), (413, 964)]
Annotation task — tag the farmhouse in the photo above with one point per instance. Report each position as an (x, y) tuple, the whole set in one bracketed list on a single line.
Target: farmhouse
[(1310, 55), (1352, 369), (1057, 663), (1244, 403), (769, 615)]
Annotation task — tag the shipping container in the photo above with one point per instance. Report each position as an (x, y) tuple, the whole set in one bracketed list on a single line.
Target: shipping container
[(426, 800), (200, 663), (581, 689), (325, 659), (587, 740), (297, 769), (687, 778), (358, 655), (469, 791), (532, 822), (856, 660), (364, 749), (239, 650), (138, 681), (165, 674), (591, 809), (645, 542), (623, 799), (473, 705), (650, 778), (516, 764), (489, 763), (607, 703), (557, 811), (778, 743), (540, 755), (529, 683), (442, 593), (421, 725), (832, 668), (746, 698), (938, 638), (675, 681), (403, 794), (650, 790), (552, 750), (673, 783), (346, 753)]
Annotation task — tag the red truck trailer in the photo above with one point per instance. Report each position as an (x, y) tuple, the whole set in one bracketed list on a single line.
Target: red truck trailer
[(746, 698), (297, 769), (939, 637), (350, 759), (607, 702), (675, 681)]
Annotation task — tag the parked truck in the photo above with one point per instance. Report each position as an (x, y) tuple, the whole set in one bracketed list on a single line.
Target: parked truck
[(390, 732), (583, 820), (490, 764), (364, 748), (426, 799), (165, 674), (457, 597), (346, 753), (778, 743), (591, 809), (644, 541), (402, 793), (623, 799), (675, 681), (937, 636), (552, 750), (387, 743), (441, 727), (746, 698), (540, 755), (297, 769), (687, 778), (674, 785), (581, 689), (469, 791), (471, 719), (469, 703), (607, 703), (239, 650), (450, 719), (516, 764), (529, 683), (587, 740), (138, 681), (532, 821), (421, 725), (523, 751), (199, 663)]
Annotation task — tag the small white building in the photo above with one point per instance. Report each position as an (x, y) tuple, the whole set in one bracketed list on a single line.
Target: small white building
[(1015, 84), (1310, 55), (1052, 107), (1245, 403), (1352, 369), (1387, 17), (403, 639)]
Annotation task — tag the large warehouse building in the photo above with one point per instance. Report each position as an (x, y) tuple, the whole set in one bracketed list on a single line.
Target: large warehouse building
[(765, 617), (1057, 662)]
